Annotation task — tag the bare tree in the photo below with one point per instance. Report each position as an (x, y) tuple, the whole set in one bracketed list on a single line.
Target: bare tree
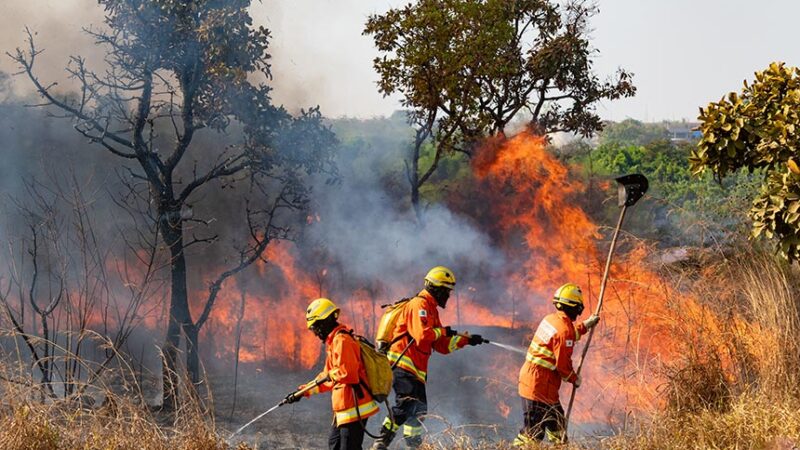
[(61, 272), (176, 69)]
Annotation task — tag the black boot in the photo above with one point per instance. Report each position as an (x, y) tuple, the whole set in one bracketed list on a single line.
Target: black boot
[(386, 437), (413, 441)]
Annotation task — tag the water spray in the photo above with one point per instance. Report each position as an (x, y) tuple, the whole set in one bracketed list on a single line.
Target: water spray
[(510, 348), (254, 420), (296, 394)]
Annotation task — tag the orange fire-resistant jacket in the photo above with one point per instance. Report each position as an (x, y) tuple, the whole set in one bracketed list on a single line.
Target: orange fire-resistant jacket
[(347, 374), (420, 320), (549, 358)]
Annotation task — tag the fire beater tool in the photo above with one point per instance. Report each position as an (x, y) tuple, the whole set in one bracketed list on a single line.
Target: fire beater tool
[(283, 402), (631, 188)]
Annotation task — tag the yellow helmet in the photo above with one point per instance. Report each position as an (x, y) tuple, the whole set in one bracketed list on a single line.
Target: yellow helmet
[(320, 309), (441, 276), (569, 295)]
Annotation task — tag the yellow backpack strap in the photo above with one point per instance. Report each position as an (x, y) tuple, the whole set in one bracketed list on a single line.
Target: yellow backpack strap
[(402, 302)]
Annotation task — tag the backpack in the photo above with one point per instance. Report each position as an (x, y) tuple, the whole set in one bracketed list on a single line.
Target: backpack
[(383, 337), (378, 368)]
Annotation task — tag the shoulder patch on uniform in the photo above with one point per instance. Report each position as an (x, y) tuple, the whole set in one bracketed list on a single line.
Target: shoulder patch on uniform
[(546, 331)]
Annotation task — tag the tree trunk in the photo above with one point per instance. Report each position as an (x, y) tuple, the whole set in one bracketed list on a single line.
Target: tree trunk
[(239, 319), (192, 352), (179, 316), (414, 180)]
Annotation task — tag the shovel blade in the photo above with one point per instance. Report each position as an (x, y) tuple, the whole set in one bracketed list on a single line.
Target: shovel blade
[(631, 188)]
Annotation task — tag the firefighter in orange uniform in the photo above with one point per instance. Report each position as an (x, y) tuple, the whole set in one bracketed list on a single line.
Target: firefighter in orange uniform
[(417, 334), (345, 375), (548, 362)]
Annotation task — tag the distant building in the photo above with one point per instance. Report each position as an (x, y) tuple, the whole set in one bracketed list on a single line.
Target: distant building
[(683, 131)]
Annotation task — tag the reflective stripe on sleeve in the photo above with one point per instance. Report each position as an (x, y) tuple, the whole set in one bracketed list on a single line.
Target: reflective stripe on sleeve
[(453, 345), (335, 374), (540, 362), (536, 348), (553, 436)]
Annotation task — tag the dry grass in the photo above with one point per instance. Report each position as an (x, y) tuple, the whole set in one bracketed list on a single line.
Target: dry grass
[(62, 425), (30, 420), (750, 422), (736, 388)]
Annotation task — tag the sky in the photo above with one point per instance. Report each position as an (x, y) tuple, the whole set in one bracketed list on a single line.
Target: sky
[(683, 53)]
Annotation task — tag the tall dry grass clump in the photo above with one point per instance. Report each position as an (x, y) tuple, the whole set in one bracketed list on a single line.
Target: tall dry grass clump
[(771, 291), (737, 384), (30, 420)]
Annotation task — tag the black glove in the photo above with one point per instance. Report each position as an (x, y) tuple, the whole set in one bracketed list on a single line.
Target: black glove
[(449, 332), (475, 339), (292, 398)]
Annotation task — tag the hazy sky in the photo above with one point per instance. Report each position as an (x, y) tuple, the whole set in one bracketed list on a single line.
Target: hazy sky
[(683, 53)]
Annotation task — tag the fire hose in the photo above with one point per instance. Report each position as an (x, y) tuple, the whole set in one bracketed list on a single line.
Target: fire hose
[(307, 388), (295, 394), (631, 188), (318, 382)]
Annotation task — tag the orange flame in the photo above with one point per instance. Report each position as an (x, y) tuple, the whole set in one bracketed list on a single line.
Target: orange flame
[(533, 214), (526, 201)]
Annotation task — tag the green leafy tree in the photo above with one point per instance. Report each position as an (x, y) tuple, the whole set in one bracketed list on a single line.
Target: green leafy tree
[(759, 129), (178, 70), (685, 209), (467, 68)]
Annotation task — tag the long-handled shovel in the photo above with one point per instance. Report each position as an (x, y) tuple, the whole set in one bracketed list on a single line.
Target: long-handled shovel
[(631, 188), (299, 393)]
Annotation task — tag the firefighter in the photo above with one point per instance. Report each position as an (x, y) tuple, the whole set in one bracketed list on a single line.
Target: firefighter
[(548, 362), (417, 333), (345, 375)]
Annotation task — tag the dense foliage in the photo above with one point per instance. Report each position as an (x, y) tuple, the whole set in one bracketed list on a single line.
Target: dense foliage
[(466, 68), (685, 209), (759, 129)]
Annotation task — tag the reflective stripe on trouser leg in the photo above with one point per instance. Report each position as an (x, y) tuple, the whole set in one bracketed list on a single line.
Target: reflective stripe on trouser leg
[(411, 431), (522, 440), (553, 436), (389, 425)]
